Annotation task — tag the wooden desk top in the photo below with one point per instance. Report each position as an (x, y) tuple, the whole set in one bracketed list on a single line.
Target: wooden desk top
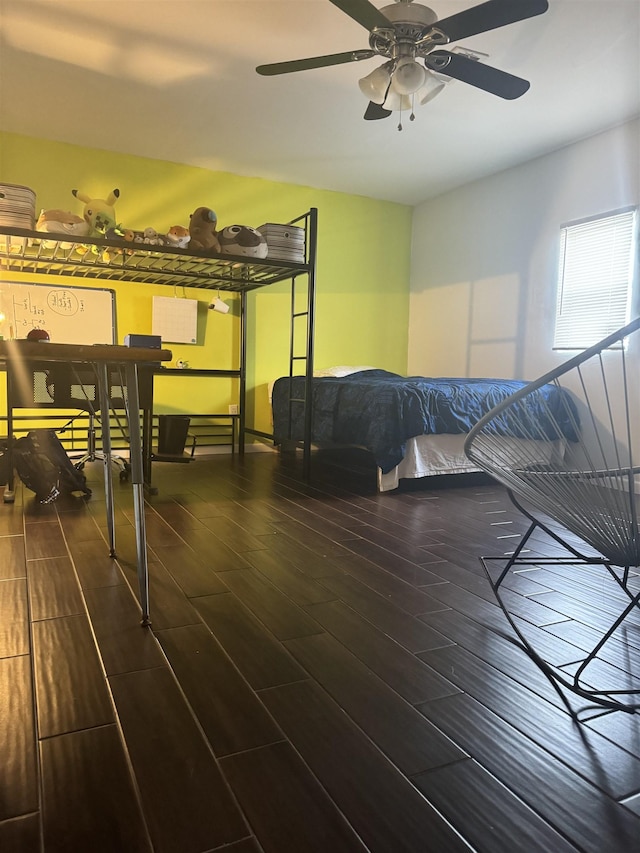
[(23, 350)]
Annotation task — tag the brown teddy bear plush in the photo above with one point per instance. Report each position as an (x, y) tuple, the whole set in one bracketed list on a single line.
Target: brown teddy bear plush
[(202, 227)]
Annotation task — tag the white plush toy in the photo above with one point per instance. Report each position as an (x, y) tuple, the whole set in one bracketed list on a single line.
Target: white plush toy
[(242, 240), (61, 222)]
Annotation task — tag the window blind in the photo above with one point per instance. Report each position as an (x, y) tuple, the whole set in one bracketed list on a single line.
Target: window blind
[(594, 279)]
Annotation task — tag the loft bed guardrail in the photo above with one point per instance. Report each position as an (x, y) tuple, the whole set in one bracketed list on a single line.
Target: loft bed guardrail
[(31, 252)]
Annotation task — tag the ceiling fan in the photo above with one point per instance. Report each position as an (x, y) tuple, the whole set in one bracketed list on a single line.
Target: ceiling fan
[(408, 32)]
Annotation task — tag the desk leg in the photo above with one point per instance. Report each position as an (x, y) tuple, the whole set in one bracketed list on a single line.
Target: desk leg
[(137, 479), (103, 386)]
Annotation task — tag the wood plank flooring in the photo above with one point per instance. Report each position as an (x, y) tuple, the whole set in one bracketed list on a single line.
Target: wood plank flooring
[(327, 671)]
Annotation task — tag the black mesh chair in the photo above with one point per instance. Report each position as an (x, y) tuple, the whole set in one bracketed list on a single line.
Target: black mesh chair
[(567, 447), (62, 386), (82, 391)]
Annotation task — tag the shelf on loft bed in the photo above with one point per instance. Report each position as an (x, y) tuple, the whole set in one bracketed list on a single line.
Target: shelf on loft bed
[(30, 252)]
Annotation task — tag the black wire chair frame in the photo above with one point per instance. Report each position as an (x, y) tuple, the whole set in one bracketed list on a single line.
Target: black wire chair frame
[(67, 386), (83, 393), (582, 496)]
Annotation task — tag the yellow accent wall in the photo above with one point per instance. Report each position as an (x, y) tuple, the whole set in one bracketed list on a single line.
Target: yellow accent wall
[(363, 269)]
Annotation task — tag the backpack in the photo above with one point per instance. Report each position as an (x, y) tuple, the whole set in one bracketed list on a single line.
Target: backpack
[(44, 467)]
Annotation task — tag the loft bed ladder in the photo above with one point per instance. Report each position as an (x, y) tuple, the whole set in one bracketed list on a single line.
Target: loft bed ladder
[(301, 341)]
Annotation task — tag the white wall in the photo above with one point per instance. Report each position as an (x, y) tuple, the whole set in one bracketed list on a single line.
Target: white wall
[(484, 258)]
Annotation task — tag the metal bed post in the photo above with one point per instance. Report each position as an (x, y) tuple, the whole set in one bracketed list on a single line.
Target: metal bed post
[(311, 299), (10, 493), (242, 391)]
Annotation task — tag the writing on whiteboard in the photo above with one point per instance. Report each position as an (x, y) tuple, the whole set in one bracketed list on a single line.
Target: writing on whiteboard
[(73, 315)]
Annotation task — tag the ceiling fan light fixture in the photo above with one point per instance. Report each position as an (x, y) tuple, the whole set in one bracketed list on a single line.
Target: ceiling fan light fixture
[(409, 76), (375, 85), (432, 87), (397, 102), (407, 31)]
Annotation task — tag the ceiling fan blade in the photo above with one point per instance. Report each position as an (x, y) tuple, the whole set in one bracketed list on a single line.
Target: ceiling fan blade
[(363, 13), (314, 62), (376, 111), (489, 16), (477, 74)]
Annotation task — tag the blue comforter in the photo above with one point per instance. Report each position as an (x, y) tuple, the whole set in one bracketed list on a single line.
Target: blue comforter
[(380, 410)]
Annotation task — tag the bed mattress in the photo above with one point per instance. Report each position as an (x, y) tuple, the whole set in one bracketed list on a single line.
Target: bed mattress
[(381, 411)]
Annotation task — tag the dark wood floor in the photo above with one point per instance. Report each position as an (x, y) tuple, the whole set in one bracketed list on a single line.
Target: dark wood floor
[(327, 671)]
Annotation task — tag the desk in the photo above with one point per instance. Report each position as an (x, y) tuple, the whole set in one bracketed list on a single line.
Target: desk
[(23, 356)]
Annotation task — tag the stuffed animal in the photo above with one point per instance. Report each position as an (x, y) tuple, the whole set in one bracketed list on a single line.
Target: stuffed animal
[(202, 228), (242, 240), (61, 222), (178, 237), (120, 236), (149, 236), (127, 236), (99, 213)]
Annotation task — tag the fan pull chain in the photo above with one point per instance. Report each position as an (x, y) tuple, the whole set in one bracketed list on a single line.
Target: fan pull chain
[(412, 115)]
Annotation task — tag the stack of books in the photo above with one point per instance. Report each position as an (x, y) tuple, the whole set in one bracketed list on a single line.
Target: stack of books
[(284, 242), (17, 207)]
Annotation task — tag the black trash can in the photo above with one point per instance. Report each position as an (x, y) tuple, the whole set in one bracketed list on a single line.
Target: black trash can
[(172, 434)]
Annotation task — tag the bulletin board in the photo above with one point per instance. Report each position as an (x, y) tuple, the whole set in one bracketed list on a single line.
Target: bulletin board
[(71, 315), (175, 320)]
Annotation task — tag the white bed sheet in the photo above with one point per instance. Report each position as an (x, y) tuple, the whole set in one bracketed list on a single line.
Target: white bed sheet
[(432, 455), (428, 456)]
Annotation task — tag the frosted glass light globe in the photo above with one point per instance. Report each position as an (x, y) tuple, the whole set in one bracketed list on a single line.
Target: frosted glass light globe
[(431, 88), (375, 85), (397, 102), (409, 76)]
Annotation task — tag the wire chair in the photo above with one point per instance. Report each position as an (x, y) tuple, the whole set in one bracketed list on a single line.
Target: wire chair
[(84, 392), (67, 386), (566, 448)]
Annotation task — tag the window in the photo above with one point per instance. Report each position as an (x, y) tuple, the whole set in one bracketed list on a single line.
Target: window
[(594, 278)]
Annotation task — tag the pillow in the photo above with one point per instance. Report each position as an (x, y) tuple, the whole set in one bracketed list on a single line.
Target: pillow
[(336, 372), (342, 370)]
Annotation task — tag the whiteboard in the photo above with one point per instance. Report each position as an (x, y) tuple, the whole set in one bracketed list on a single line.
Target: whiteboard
[(71, 315)]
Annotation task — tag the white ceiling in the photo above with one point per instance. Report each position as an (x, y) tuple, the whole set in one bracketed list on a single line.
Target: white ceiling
[(176, 80)]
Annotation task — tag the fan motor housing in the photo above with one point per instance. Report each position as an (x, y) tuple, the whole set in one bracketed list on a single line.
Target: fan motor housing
[(408, 23), (410, 14)]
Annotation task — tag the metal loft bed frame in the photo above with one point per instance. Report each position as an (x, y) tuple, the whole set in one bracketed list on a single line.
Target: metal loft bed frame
[(28, 252)]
